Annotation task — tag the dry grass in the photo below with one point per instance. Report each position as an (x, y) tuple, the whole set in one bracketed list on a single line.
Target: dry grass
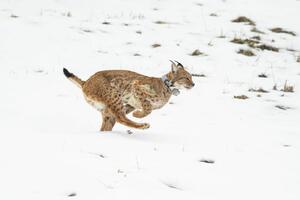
[(38, 71), (298, 59), (161, 22), (172, 186), (255, 30), (209, 161), (267, 47), (249, 42), (287, 88), (243, 19), (221, 36), (262, 75), (72, 194), (286, 145), (260, 90), (13, 16), (282, 107), (246, 52), (257, 37), (197, 52), (243, 97), (281, 30), (106, 23), (254, 44), (87, 30), (199, 4), (156, 45), (291, 50)]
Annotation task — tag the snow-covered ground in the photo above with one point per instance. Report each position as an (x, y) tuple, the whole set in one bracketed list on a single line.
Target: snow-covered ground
[(50, 147)]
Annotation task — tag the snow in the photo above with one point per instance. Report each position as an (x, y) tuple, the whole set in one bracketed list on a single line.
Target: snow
[(50, 146)]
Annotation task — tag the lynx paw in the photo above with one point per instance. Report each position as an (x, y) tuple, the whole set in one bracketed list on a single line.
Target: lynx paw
[(145, 126)]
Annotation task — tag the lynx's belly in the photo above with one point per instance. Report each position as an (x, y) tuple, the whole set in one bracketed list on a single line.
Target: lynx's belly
[(135, 102), (157, 103), (96, 104)]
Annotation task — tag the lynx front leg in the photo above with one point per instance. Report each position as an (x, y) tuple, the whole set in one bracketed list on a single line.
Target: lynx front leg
[(141, 93), (116, 111), (108, 120), (120, 116), (127, 122)]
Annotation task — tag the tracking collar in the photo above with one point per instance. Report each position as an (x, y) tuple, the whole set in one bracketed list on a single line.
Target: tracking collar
[(168, 83)]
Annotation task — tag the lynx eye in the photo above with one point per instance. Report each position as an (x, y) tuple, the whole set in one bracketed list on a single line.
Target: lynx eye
[(183, 78)]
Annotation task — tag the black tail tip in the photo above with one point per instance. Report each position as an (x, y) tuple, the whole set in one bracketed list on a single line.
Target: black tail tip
[(67, 73)]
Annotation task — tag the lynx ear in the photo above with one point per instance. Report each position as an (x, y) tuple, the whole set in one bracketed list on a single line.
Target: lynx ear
[(179, 64), (174, 66)]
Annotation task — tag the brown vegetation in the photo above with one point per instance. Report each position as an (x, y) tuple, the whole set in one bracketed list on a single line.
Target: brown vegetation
[(287, 88), (281, 30), (246, 52), (156, 45), (255, 30), (243, 19), (261, 90), (243, 97), (196, 53)]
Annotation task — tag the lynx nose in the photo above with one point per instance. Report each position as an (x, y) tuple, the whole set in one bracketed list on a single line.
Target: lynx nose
[(193, 84)]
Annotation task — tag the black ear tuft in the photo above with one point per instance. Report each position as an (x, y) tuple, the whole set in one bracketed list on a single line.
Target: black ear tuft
[(179, 64), (172, 62)]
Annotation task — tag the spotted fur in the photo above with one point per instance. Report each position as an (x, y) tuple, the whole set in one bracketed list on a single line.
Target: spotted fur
[(116, 93)]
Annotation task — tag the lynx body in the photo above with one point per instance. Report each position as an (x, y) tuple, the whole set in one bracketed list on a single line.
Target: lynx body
[(116, 93)]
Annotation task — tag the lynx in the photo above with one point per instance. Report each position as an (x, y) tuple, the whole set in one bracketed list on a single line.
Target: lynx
[(116, 93)]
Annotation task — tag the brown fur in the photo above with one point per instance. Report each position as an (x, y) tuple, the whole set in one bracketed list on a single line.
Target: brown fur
[(116, 93)]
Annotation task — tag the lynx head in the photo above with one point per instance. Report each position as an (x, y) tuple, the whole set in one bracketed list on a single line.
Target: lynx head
[(179, 77)]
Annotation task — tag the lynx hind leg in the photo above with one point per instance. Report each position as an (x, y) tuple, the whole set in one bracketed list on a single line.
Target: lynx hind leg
[(145, 104), (108, 120), (119, 112)]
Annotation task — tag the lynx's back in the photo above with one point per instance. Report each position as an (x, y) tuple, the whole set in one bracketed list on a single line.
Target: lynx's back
[(114, 79)]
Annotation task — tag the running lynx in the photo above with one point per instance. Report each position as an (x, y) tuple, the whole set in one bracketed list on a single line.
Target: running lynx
[(116, 93)]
